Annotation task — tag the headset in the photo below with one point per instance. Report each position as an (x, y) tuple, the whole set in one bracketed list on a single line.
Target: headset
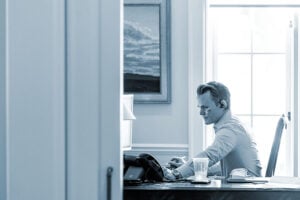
[(223, 103)]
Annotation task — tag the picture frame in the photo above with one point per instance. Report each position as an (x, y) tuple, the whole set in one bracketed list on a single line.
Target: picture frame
[(147, 52)]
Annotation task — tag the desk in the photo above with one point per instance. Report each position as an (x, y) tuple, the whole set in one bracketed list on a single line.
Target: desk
[(216, 190)]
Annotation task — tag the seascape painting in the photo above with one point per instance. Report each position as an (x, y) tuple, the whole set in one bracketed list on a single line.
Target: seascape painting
[(141, 49), (147, 62)]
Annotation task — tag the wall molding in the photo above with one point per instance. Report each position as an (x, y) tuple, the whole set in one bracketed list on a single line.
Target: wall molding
[(163, 152), (163, 148)]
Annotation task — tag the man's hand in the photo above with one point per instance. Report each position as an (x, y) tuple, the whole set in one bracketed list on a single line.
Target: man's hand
[(176, 162), (168, 174)]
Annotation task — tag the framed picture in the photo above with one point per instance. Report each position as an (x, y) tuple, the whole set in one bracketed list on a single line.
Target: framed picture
[(147, 50)]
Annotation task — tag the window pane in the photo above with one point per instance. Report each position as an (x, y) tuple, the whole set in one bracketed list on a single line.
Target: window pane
[(270, 30), (233, 30), (282, 169), (235, 72), (263, 131), (269, 84)]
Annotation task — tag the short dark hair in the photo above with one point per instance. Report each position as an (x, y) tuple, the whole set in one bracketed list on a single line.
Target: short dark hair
[(217, 90)]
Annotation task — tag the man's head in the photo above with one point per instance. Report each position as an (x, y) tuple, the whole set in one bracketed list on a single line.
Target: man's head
[(213, 101)]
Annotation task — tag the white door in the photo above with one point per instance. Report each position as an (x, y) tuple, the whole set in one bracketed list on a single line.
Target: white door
[(94, 85)]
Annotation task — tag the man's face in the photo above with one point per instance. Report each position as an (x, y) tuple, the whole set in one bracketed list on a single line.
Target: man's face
[(210, 112)]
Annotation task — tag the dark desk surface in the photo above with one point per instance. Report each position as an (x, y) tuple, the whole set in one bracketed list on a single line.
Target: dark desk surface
[(287, 189)]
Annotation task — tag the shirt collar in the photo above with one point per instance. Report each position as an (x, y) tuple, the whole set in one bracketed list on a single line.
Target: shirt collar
[(227, 116)]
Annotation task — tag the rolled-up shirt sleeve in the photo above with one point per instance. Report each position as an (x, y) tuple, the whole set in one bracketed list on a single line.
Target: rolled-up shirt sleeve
[(225, 141)]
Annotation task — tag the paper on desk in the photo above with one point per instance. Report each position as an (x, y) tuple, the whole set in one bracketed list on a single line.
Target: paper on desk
[(285, 180)]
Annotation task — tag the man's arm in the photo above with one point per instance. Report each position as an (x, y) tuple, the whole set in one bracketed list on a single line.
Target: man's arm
[(224, 143), (214, 170)]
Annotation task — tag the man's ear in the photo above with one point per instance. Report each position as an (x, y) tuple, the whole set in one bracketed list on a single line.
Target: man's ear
[(223, 104)]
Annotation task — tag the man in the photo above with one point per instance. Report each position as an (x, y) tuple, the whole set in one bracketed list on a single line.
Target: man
[(232, 147)]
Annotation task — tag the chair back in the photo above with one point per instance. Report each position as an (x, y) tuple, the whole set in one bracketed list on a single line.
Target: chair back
[(275, 147)]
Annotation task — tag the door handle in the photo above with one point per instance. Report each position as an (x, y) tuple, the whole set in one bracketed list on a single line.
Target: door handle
[(108, 182)]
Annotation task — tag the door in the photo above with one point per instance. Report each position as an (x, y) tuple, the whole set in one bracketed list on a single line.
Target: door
[(93, 98)]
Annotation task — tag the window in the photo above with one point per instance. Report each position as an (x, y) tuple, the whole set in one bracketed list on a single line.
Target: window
[(250, 49)]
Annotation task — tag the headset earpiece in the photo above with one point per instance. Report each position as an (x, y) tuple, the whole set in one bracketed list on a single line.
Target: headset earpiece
[(223, 104)]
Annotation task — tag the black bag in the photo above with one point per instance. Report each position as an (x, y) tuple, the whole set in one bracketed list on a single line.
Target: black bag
[(142, 168)]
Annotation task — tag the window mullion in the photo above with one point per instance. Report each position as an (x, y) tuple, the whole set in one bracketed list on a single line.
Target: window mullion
[(251, 65)]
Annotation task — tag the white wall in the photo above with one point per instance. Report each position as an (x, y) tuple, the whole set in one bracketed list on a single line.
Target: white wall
[(163, 129)]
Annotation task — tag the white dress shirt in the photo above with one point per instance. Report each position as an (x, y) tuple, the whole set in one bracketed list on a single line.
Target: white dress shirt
[(232, 146)]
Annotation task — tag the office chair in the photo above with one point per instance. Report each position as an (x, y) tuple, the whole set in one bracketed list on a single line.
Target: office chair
[(275, 147)]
